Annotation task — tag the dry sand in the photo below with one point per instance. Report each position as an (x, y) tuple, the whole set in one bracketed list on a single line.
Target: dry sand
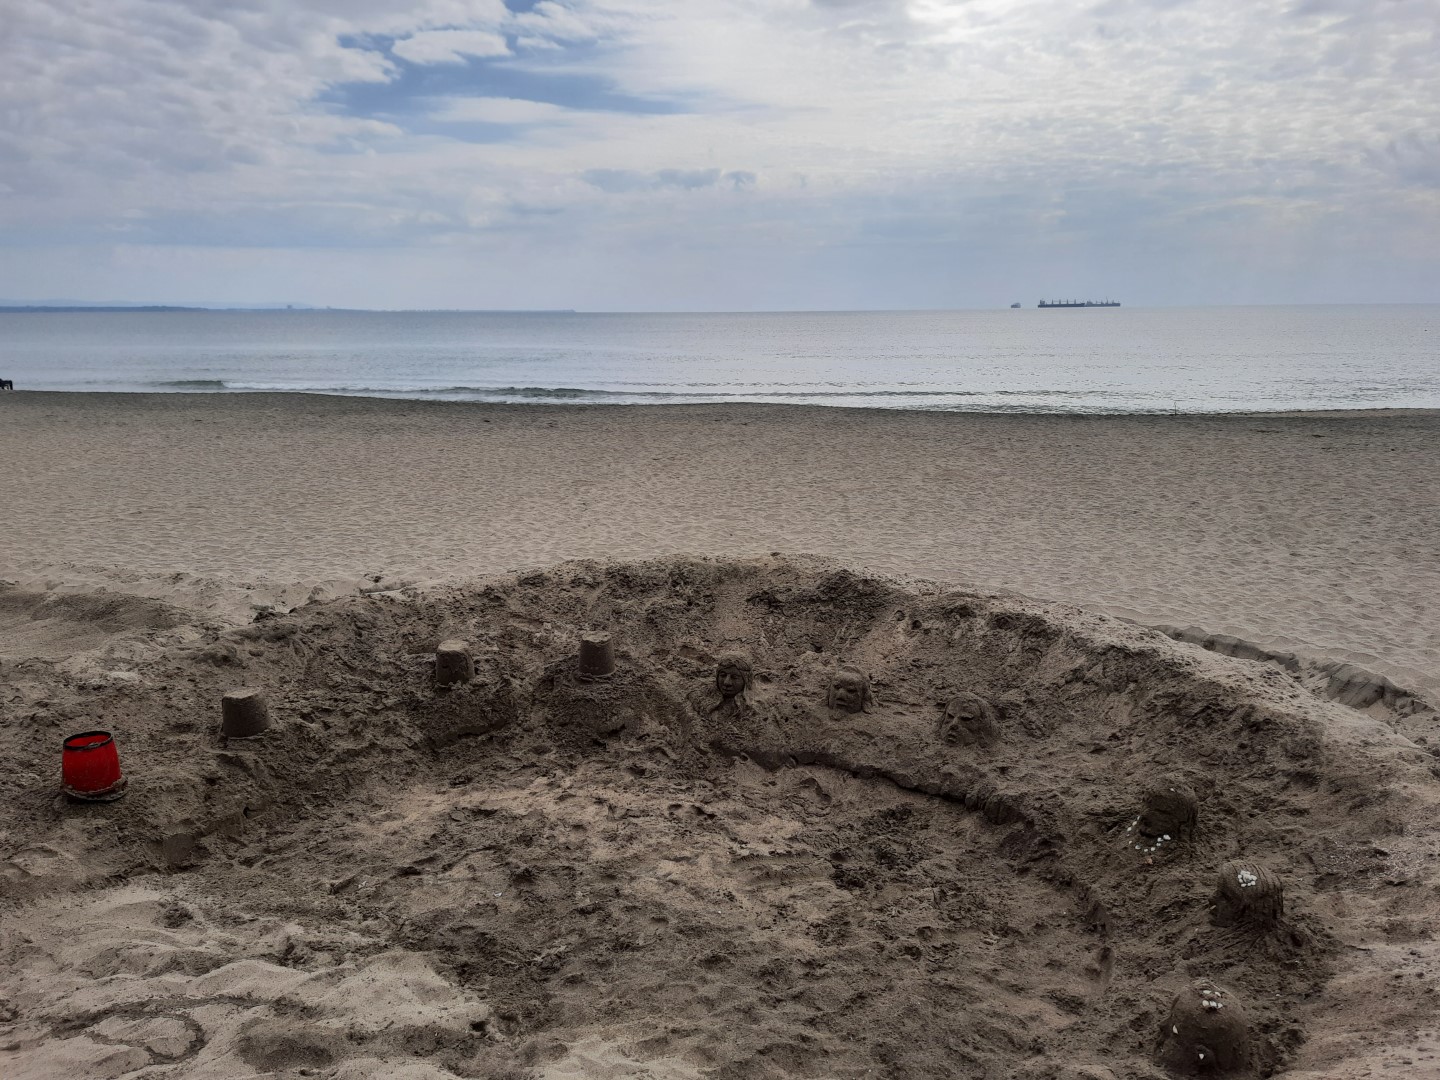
[(532, 876), (1318, 533)]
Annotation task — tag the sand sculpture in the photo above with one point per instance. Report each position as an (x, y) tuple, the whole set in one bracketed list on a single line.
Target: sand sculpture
[(1205, 1033), (453, 663), (244, 714), (1167, 816), (575, 698), (849, 691), (734, 676), (968, 720), (597, 656), (1247, 893), (1171, 808)]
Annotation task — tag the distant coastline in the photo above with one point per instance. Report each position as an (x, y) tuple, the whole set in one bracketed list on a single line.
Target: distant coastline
[(299, 309), (32, 309)]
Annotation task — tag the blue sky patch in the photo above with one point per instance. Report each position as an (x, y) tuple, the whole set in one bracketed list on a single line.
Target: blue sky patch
[(416, 87)]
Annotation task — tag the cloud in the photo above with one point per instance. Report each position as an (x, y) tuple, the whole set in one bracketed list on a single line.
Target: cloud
[(449, 46), (1020, 132), (555, 23), (502, 110), (1413, 158), (624, 181), (687, 179)]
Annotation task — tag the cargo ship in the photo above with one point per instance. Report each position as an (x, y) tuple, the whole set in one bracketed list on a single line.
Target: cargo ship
[(1079, 303)]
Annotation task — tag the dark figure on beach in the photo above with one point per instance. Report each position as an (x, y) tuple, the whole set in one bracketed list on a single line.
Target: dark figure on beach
[(7, 384)]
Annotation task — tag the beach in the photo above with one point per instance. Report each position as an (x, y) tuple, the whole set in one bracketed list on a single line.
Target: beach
[(445, 741), (836, 540), (1312, 532)]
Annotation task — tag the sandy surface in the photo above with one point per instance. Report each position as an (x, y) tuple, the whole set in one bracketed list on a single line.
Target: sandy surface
[(533, 877), (1318, 533), (1034, 843)]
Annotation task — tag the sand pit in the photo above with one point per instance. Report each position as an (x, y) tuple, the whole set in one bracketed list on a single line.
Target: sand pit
[(812, 824)]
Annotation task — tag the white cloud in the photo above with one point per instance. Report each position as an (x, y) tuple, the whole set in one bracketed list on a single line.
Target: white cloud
[(449, 46), (495, 110), (553, 22), (1007, 129)]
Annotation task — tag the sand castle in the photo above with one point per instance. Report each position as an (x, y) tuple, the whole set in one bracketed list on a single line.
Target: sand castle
[(541, 813), (453, 663), (1247, 893), (1206, 1033), (244, 713), (597, 656)]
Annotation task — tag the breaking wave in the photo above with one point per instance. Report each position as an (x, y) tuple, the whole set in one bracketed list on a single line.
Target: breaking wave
[(582, 394)]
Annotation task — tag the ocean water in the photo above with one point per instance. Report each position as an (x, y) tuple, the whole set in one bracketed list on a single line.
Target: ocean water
[(1096, 360)]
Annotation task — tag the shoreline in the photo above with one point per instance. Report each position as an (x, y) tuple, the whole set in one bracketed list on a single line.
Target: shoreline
[(1311, 532), (1338, 414)]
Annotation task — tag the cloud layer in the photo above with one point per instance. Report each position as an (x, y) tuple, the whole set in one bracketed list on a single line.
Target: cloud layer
[(720, 153)]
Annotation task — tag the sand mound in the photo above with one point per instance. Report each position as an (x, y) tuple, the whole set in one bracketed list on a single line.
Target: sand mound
[(904, 832)]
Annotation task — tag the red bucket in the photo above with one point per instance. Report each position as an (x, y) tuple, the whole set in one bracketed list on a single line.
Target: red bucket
[(90, 767)]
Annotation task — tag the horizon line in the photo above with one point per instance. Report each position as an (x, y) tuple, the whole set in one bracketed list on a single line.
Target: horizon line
[(13, 307)]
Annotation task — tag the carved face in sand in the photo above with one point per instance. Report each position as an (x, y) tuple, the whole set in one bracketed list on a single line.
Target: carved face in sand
[(849, 691), (967, 720), (733, 675)]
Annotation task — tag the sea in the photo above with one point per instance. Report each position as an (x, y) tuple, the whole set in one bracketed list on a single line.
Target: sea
[(1055, 360)]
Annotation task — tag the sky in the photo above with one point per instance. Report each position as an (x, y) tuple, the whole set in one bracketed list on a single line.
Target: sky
[(720, 154)]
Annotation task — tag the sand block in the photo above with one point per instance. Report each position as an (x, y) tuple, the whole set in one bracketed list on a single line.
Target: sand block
[(1170, 810), (1246, 892), (597, 655), (244, 713), (1207, 1032), (453, 663)]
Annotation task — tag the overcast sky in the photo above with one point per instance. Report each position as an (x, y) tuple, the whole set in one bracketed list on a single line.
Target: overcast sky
[(720, 154)]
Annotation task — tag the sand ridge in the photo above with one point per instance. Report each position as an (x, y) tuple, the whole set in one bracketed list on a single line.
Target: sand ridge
[(532, 875)]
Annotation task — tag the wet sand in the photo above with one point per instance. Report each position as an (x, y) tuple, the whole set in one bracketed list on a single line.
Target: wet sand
[(1318, 533)]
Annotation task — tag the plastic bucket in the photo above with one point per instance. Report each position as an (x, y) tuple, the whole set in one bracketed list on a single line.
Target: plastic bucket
[(90, 767)]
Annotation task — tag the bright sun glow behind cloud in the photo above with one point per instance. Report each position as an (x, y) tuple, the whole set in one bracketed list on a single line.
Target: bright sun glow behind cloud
[(725, 153)]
